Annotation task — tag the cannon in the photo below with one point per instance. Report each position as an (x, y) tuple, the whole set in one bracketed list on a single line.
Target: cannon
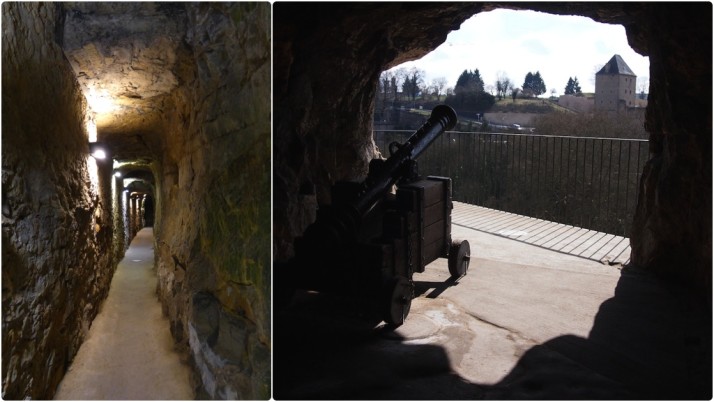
[(370, 241)]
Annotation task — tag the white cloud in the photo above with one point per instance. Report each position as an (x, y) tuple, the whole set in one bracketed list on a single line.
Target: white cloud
[(518, 42)]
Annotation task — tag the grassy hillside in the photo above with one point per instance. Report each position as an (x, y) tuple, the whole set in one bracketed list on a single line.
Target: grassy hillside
[(526, 106)]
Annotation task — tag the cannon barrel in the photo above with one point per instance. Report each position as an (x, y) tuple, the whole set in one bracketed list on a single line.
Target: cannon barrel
[(378, 183)]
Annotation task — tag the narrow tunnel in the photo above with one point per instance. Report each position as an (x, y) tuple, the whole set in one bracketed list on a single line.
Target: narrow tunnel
[(177, 96), (326, 68)]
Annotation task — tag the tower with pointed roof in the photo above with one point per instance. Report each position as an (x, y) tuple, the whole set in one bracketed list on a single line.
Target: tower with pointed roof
[(615, 86)]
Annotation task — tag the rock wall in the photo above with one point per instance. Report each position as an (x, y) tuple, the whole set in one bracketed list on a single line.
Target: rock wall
[(326, 67), (672, 232), (213, 190), (56, 208)]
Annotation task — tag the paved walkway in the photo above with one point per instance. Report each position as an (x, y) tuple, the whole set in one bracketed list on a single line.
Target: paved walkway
[(129, 352)]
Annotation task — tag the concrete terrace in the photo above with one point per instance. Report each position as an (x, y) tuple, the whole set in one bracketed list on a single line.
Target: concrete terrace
[(538, 316)]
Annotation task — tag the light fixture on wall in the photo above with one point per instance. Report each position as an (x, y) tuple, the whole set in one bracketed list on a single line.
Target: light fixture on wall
[(97, 150), (117, 173)]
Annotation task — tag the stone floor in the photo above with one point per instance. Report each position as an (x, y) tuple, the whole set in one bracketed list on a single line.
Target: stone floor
[(129, 352), (526, 322)]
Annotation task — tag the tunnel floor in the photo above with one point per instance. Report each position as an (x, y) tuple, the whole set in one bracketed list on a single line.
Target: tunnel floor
[(129, 352)]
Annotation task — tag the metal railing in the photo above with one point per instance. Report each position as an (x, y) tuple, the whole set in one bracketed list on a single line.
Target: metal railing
[(580, 181)]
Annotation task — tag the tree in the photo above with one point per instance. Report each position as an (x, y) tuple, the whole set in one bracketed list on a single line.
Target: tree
[(385, 82), (533, 84), (538, 84), (385, 87), (576, 87), (514, 93), (439, 84), (643, 86), (400, 75), (469, 94), (503, 84), (413, 83), (569, 87), (573, 87), (469, 81)]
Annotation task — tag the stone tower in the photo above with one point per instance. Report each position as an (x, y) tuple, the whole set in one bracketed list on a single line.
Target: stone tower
[(615, 86)]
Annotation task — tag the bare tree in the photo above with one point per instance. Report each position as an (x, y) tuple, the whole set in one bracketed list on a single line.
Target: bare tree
[(596, 69), (503, 85), (643, 86), (438, 84), (414, 82), (385, 86), (400, 75), (514, 93)]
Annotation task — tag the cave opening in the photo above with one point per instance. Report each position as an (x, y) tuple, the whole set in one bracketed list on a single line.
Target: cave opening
[(326, 73), (569, 152)]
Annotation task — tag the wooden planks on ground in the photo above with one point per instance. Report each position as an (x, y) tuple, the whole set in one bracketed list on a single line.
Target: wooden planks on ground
[(606, 248)]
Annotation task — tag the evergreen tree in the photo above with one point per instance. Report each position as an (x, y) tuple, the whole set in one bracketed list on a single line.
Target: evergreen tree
[(527, 84), (538, 84), (469, 94), (573, 87), (469, 81), (576, 87), (533, 84), (569, 87)]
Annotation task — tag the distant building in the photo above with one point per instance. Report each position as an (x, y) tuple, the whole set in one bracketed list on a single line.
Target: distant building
[(615, 86)]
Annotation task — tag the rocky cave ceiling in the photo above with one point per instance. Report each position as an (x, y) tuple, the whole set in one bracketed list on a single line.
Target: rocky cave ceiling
[(124, 55)]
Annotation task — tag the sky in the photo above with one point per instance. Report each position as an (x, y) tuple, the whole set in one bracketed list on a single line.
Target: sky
[(518, 42)]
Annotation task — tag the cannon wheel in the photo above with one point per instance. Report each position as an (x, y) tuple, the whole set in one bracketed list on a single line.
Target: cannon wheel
[(459, 258), (398, 294)]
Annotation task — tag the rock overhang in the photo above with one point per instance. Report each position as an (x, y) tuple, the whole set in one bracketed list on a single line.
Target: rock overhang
[(124, 56)]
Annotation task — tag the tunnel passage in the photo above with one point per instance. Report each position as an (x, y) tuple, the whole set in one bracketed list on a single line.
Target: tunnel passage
[(322, 128), (177, 94)]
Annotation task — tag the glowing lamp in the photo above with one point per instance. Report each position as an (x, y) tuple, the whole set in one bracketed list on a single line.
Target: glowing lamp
[(96, 149)]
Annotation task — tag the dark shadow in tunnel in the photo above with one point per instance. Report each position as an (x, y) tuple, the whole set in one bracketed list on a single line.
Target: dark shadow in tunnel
[(652, 340), (149, 211)]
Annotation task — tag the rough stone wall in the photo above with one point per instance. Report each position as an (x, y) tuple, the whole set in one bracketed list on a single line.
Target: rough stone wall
[(56, 222), (213, 226), (326, 66), (326, 69), (120, 240), (672, 232)]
